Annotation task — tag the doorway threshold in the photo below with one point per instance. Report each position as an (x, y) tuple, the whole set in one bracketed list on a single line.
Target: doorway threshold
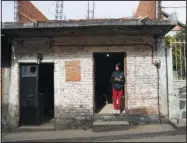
[(108, 110), (47, 126)]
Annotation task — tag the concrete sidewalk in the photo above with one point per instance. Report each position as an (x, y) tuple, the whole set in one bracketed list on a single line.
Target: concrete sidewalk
[(176, 138), (88, 135)]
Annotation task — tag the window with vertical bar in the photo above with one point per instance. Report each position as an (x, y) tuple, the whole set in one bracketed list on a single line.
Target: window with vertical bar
[(29, 71)]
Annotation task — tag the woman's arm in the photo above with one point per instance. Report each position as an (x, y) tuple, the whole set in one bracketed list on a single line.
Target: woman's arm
[(112, 78), (122, 80)]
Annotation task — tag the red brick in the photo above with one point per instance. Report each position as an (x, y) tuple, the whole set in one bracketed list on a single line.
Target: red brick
[(146, 8), (29, 10), (73, 72)]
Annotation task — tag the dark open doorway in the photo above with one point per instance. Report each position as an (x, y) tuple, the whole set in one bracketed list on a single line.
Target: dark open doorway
[(104, 65), (36, 93), (46, 90)]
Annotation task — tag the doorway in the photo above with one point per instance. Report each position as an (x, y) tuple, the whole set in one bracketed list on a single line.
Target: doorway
[(104, 65), (36, 93)]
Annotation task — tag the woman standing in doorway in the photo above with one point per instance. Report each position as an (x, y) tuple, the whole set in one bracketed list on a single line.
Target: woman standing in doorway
[(117, 81)]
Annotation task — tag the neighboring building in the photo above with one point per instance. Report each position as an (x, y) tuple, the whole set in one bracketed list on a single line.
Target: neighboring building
[(148, 8), (27, 13), (57, 69), (180, 26)]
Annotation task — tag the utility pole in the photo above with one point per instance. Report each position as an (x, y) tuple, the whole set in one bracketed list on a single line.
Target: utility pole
[(159, 9), (59, 10), (91, 10), (16, 9)]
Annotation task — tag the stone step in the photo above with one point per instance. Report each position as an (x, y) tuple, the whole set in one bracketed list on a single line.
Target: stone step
[(49, 126), (101, 126), (133, 118), (35, 128), (110, 117)]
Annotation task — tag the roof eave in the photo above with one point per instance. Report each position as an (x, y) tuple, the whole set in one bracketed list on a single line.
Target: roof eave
[(130, 27), (178, 22), (87, 24)]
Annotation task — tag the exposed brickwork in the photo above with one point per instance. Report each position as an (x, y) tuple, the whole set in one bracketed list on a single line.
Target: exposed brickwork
[(146, 8), (76, 98), (27, 11), (72, 71)]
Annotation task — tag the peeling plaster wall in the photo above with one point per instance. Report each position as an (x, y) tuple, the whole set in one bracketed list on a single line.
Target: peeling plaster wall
[(76, 98), (5, 99), (162, 76)]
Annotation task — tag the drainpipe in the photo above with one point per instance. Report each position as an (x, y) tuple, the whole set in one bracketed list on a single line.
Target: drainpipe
[(158, 8), (158, 65)]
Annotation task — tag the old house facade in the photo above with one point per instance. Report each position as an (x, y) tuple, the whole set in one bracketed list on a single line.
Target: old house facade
[(61, 59)]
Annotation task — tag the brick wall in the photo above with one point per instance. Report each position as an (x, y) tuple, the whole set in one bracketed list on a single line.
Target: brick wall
[(27, 11), (72, 72), (146, 8), (77, 97)]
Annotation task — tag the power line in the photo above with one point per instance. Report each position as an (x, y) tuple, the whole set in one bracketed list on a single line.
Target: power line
[(16, 7), (159, 4), (174, 7)]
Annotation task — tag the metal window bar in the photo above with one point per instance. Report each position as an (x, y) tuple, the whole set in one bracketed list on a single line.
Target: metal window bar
[(185, 59), (179, 60)]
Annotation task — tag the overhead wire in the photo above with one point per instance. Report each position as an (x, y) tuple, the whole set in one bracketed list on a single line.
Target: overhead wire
[(173, 7)]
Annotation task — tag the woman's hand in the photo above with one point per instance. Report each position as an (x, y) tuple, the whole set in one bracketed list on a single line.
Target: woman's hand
[(117, 79)]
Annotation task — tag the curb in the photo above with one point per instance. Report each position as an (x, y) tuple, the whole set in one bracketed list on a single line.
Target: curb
[(107, 138), (180, 129)]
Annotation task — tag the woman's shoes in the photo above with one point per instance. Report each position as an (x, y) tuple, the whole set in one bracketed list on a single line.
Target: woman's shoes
[(116, 111)]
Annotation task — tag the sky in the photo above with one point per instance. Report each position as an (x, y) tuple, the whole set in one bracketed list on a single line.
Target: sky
[(103, 9)]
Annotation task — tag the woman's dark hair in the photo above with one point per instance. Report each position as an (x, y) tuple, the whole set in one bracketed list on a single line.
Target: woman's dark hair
[(119, 66)]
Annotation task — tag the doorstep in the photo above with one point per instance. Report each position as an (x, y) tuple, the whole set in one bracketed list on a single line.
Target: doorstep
[(48, 126), (100, 126)]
